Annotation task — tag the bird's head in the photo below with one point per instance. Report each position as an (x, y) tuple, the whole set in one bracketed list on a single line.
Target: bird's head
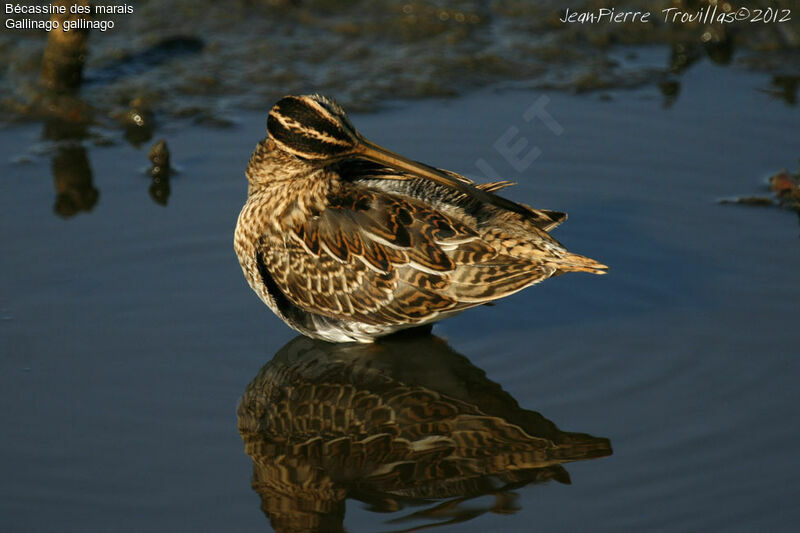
[(312, 127), (315, 131)]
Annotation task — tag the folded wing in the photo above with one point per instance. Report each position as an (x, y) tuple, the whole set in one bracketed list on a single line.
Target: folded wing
[(380, 258)]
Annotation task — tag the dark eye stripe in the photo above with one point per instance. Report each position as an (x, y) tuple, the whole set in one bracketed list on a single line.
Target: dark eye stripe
[(300, 144), (292, 108)]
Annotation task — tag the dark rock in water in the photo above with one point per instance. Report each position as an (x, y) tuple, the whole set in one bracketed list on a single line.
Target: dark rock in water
[(65, 53), (785, 87), (139, 123), (787, 188), (784, 185), (159, 156), (719, 46), (159, 188), (748, 200), (670, 89)]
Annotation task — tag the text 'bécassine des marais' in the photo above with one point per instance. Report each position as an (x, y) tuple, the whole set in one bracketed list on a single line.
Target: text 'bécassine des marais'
[(26, 10)]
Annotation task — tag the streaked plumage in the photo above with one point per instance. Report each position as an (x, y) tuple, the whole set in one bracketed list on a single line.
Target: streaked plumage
[(403, 421), (346, 241)]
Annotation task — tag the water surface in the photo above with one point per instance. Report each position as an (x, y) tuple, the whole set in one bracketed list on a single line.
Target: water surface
[(129, 335)]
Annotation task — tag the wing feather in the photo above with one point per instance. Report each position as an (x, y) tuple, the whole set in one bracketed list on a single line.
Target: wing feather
[(382, 258)]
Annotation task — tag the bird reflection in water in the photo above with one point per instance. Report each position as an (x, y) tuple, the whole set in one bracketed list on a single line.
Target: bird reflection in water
[(407, 421), (67, 118), (160, 172), (75, 191)]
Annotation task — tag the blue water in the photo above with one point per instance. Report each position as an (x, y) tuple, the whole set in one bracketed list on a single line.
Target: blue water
[(128, 334)]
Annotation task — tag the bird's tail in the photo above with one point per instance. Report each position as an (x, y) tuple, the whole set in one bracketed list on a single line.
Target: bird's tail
[(579, 263)]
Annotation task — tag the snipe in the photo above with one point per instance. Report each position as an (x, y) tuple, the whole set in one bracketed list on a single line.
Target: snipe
[(347, 241)]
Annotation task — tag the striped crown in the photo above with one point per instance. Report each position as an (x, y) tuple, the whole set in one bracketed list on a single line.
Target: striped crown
[(311, 127)]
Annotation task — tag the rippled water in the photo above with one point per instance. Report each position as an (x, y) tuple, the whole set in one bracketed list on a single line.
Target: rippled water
[(201, 60), (129, 336)]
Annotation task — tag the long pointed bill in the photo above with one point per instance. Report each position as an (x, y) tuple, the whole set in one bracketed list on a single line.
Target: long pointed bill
[(383, 156)]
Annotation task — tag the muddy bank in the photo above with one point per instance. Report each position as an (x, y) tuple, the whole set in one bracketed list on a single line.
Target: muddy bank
[(201, 61)]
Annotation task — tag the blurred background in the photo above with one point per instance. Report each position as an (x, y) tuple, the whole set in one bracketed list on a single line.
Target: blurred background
[(128, 335)]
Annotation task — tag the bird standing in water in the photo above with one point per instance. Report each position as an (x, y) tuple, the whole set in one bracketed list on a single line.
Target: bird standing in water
[(347, 241)]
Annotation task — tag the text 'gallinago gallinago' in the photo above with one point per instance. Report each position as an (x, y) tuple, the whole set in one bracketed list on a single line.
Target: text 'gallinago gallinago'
[(346, 241)]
